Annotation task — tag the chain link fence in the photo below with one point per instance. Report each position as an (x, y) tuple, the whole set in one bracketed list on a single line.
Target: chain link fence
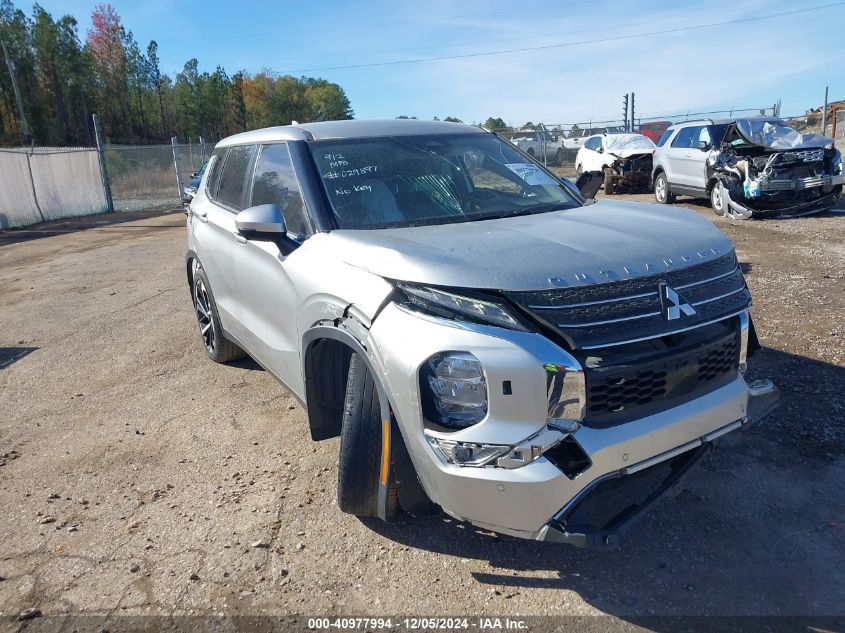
[(41, 184), (152, 176)]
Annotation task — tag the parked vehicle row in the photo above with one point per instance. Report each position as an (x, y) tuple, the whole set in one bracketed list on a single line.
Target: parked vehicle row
[(478, 334), (556, 148), (748, 167)]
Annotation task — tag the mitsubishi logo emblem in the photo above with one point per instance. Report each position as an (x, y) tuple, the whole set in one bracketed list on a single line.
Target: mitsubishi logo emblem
[(672, 304)]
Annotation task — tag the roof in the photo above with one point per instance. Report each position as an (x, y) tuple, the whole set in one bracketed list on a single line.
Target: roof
[(353, 128)]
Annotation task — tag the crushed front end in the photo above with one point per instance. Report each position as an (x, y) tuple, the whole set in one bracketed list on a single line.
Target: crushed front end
[(631, 172), (629, 162), (767, 168)]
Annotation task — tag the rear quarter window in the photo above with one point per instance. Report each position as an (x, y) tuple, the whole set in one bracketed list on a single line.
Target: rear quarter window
[(214, 174), (664, 137)]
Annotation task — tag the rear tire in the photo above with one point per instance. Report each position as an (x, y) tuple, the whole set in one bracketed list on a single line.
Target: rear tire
[(661, 189), (217, 346), (361, 446)]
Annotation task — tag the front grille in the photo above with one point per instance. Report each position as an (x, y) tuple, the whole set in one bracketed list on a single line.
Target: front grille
[(613, 312), (622, 387)]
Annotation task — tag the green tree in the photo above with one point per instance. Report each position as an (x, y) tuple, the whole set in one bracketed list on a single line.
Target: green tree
[(495, 123), (63, 81)]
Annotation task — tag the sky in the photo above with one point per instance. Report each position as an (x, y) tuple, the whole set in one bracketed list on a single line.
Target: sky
[(748, 64)]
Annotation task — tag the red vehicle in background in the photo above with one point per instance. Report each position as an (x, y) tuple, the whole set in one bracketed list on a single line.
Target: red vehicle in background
[(654, 129)]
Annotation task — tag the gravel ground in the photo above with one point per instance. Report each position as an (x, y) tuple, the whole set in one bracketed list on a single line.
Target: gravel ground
[(139, 478)]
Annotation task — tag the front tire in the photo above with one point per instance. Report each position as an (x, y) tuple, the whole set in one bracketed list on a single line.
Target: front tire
[(360, 462), (717, 199), (217, 346), (608, 182)]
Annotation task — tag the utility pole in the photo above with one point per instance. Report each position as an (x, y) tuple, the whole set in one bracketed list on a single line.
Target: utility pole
[(632, 113), (27, 137), (625, 110), (824, 111)]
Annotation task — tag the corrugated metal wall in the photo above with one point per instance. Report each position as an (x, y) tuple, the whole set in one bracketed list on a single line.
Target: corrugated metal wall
[(49, 183)]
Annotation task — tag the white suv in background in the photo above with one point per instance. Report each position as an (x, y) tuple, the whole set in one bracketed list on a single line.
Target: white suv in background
[(681, 157)]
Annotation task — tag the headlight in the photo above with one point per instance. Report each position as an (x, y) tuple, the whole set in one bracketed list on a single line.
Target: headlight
[(453, 305), (454, 390)]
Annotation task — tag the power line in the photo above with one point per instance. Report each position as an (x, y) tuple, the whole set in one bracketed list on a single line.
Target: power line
[(680, 29)]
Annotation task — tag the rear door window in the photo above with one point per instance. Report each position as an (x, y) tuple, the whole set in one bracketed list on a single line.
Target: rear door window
[(233, 178), (275, 183)]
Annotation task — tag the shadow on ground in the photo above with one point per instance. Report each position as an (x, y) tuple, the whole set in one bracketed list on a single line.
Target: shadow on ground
[(73, 225), (9, 355), (765, 508)]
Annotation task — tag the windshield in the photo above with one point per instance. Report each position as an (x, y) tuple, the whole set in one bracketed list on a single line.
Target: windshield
[(776, 134), (396, 181)]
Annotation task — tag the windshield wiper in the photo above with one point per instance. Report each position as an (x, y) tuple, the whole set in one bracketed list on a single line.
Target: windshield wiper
[(530, 210)]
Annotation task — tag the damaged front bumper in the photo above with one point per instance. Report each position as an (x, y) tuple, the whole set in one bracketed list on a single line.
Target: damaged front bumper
[(740, 208), (526, 501), (603, 512)]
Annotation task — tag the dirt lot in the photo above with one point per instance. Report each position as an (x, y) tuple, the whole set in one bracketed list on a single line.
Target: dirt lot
[(137, 477)]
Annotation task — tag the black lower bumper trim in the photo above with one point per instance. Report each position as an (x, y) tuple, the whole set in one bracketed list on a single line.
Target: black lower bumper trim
[(575, 529)]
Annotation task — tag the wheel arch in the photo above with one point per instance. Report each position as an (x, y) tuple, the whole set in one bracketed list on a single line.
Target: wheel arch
[(191, 261), (711, 182), (327, 350)]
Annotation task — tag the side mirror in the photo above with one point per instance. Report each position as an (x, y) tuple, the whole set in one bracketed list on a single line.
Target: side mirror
[(600, 149), (265, 223), (194, 174), (262, 220), (589, 183), (703, 146)]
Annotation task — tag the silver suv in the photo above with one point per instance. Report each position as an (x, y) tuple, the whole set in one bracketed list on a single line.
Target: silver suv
[(748, 167), (479, 336)]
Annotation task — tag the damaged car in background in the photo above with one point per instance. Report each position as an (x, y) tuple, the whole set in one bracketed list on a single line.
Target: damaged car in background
[(766, 167), (748, 167), (625, 160)]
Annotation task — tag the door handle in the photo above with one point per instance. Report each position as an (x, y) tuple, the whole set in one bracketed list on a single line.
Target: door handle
[(240, 238), (687, 155)]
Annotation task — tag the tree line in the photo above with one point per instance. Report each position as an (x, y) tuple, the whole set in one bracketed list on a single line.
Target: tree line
[(63, 80)]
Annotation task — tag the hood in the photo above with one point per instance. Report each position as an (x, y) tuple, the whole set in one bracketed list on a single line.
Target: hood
[(627, 145), (776, 134), (601, 242)]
